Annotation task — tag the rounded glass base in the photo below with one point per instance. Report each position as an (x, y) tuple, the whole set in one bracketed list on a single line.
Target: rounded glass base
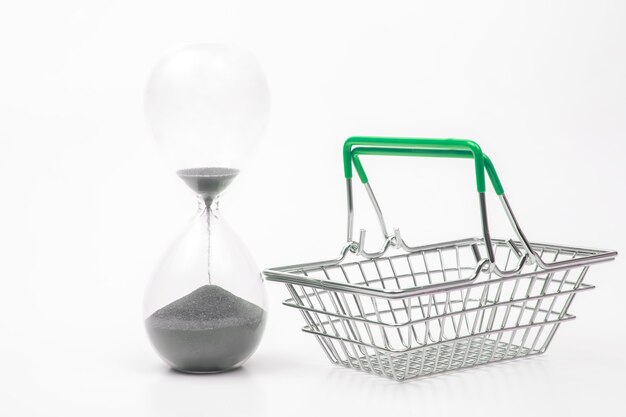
[(207, 351), (219, 371)]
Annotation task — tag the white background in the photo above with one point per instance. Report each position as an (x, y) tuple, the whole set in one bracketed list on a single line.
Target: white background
[(87, 207)]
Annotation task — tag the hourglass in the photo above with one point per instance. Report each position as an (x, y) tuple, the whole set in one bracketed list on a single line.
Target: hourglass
[(205, 306)]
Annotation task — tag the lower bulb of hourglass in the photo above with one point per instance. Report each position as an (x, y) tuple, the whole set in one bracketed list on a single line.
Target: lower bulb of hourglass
[(205, 307)]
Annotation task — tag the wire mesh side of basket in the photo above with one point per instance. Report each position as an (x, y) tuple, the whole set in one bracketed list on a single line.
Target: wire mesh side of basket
[(490, 319)]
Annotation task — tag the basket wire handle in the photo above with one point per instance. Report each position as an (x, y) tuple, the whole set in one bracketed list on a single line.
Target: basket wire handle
[(438, 153), (426, 147), (450, 148)]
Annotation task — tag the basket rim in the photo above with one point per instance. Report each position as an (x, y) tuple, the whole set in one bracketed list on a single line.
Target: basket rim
[(287, 275)]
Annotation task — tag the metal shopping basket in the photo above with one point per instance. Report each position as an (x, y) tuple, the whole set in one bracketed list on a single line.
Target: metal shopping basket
[(435, 308)]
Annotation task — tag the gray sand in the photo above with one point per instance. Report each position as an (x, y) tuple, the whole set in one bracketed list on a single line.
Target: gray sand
[(208, 330), (208, 182)]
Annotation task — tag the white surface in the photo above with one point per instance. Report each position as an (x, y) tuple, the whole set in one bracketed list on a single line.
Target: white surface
[(87, 207)]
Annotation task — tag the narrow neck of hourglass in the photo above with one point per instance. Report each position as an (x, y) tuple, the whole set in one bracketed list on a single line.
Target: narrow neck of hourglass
[(208, 214), (210, 206)]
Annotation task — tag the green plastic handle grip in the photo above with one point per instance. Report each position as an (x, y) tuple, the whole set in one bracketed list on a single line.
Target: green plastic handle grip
[(434, 153), (426, 144)]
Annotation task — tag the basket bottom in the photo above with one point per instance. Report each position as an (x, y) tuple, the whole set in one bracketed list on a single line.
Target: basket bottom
[(431, 360)]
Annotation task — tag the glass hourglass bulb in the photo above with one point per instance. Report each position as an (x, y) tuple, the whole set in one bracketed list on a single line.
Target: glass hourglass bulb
[(207, 106), (205, 306)]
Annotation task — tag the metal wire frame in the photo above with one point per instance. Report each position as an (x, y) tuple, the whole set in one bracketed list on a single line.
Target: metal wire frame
[(434, 310), (470, 351)]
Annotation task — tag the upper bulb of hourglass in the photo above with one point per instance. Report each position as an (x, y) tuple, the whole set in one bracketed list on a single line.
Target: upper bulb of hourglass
[(207, 106)]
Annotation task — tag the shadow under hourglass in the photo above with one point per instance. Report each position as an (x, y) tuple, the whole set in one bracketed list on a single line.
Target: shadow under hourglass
[(233, 393)]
